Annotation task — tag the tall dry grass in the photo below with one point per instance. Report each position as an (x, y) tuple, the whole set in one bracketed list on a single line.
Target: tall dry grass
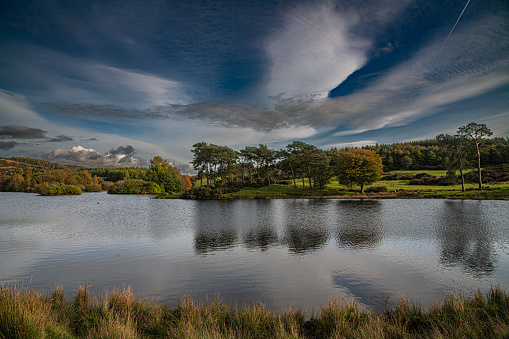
[(25, 313)]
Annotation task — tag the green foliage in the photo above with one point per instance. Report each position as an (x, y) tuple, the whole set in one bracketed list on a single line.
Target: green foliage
[(93, 188), (135, 186), (58, 189), (166, 175), (206, 192)]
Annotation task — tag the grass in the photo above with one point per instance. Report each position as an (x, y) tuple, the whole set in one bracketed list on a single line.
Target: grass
[(395, 189), (30, 314)]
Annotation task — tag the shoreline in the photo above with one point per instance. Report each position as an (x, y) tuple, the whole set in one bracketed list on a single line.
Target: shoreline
[(488, 194)]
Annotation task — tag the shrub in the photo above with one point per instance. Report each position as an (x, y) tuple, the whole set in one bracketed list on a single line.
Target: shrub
[(202, 193), (135, 186), (376, 189), (498, 173), (94, 188), (57, 189)]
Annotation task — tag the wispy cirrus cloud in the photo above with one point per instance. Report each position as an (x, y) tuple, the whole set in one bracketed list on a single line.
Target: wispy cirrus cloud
[(64, 78), (314, 51)]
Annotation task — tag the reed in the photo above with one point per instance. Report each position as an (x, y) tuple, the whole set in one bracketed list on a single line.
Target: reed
[(25, 313)]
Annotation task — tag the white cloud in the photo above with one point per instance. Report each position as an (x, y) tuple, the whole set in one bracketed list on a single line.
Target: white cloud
[(89, 157), (359, 143), (314, 51)]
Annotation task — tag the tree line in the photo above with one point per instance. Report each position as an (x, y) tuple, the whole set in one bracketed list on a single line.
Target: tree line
[(220, 169), (298, 161)]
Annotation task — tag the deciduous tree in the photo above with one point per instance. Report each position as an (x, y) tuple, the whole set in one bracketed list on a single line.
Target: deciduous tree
[(166, 175), (357, 167)]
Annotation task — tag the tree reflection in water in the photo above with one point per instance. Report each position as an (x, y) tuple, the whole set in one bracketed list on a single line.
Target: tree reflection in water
[(206, 241), (261, 238), (465, 239), (359, 224)]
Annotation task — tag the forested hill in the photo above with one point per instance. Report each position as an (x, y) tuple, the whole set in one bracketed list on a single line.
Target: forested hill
[(17, 163)]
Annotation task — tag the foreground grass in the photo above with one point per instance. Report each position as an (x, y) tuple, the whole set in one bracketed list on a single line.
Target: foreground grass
[(30, 314)]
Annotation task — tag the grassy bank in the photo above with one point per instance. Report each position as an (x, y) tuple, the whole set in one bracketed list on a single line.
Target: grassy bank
[(390, 189), (30, 314)]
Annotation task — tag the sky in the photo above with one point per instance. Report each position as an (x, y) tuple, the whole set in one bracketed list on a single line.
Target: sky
[(115, 83)]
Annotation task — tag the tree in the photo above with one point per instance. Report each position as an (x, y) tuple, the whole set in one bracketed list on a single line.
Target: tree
[(319, 168), (166, 175), (357, 167), (265, 156), (300, 159), (456, 143), (476, 132), (406, 162)]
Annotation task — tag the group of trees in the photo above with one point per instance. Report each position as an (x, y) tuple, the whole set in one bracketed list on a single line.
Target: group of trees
[(430, 154), (50, 182), (39, 176), (257, 166)]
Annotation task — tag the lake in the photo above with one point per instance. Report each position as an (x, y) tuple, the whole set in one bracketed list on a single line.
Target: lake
[(284, 253)]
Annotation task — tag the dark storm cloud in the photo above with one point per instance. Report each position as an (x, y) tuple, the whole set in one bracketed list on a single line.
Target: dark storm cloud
[(122, 150), (61, 138), (21, 132), (6, 145)]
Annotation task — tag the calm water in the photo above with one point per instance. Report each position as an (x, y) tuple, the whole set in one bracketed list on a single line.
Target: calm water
[(283, 253)]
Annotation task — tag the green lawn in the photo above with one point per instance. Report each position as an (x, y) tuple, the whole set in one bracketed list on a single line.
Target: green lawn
[(395, 189)]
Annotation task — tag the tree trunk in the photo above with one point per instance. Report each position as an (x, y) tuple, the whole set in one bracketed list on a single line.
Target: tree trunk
[(479, 165), (293, 177), (462, 177)]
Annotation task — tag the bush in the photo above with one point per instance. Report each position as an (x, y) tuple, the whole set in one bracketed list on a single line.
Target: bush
[(57, 189), (94, 188), (498, 173), (135, 186), (376, 189), (106, 185), (202, 193), (427, 179)]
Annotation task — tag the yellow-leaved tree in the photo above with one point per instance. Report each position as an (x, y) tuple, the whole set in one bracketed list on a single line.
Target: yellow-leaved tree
[(357, 167)]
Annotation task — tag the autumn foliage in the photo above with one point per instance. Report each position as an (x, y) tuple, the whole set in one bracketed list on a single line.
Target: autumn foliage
[(357, 167)]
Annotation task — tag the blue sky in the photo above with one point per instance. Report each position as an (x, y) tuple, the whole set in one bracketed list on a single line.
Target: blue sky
[(109, 83)]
